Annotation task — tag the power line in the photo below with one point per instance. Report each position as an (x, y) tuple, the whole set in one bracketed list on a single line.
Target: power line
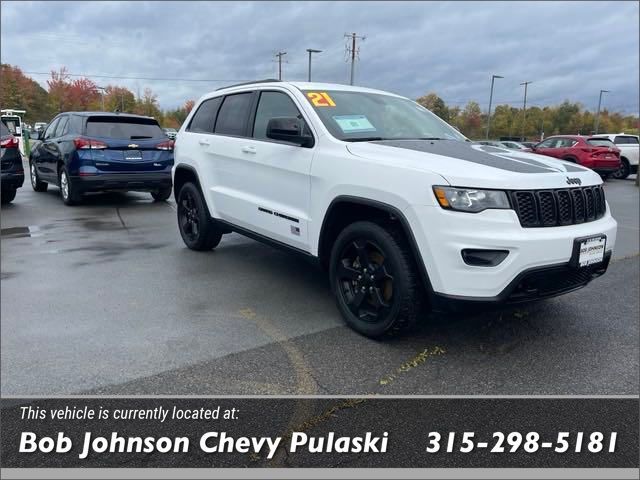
[(163, 79)]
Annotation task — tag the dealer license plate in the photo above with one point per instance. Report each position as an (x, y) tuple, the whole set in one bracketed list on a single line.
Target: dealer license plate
[(590, 251)]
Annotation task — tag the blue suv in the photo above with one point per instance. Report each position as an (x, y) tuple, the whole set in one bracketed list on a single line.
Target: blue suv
[(98, 151)]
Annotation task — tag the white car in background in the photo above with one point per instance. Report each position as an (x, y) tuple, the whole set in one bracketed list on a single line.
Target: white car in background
[(629, 152)]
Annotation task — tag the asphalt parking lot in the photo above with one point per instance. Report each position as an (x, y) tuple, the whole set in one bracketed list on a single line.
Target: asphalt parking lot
[(104, 298)]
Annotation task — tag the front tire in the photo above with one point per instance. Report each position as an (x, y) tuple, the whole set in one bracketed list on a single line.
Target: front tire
[(8, 194), (374, 279), (68, 189), (36, 184), (162, 194), (624, 170), (197, 229)]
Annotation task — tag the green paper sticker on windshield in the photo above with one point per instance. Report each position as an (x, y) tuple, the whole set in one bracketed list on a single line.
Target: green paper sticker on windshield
[(354, 123)]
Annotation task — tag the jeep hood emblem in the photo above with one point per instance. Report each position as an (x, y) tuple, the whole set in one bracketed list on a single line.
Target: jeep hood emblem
[(574, 181)]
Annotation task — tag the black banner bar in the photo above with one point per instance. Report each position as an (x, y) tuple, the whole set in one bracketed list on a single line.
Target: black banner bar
[(378, 432)]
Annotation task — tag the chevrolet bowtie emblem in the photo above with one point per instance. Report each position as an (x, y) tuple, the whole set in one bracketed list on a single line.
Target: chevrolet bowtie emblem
[(133, 145)]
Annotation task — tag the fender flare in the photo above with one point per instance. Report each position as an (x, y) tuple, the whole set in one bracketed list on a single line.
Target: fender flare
[(394, 212)]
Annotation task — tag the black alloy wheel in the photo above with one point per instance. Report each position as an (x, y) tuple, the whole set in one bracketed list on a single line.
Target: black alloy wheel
[(374, 279), (198, 231), (364, 281)]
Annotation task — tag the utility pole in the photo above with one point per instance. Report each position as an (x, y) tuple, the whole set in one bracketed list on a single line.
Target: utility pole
[(598, 112), (524, 108), (493, 77), (353, 51), (311, 50), (280, 55)]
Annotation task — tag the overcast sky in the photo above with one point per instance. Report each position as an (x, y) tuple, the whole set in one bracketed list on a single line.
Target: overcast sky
[(568, 50)]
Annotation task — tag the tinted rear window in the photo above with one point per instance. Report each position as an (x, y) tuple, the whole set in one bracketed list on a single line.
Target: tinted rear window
[(124, 128), (205, 117), (234, 114), (625, 140), (600, 142), (4, 130)]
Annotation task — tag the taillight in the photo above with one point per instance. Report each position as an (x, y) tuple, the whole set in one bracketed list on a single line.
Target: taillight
[(167, 145), (88, 143), (10, 142)]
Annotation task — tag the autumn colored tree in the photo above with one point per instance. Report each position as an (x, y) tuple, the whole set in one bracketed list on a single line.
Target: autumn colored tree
[(472, 120), (435, 104), (59, 90), (23, 93), (81, 94)]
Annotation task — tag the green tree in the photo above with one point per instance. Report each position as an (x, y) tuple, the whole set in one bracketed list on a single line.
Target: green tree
[(435, 104)]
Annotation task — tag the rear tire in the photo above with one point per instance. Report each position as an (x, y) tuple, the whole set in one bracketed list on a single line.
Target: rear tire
[(162, 194), (198, 230), (68, 189), (624, 170), (374, 279), (36, 184), (8, 194)]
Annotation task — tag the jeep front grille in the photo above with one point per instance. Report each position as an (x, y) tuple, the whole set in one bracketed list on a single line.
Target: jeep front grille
[(551, 208)]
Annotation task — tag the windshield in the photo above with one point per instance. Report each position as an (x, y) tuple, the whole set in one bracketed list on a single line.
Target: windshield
[(362, 116)]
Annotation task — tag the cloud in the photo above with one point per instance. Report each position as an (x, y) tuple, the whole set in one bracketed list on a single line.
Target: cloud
[(568, 50)]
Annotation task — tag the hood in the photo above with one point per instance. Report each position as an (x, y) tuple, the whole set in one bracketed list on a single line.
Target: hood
[(474, 165)]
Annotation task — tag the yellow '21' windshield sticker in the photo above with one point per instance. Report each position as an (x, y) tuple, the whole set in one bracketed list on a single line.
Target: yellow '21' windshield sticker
[(321, 99)]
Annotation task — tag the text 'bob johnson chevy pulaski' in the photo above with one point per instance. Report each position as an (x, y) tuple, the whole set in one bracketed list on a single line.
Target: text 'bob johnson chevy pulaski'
[(210, 442)]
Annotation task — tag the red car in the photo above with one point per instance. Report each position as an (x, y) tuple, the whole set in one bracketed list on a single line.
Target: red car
[(599, 154)]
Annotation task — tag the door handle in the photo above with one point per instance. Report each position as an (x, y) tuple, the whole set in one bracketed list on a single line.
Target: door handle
[(249, 149), (202, 141)]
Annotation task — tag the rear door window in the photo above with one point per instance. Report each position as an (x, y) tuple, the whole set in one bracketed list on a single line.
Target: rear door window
[(625, 140), (60, 129), (204, 119), (234, 114), (49, 133), (123, 128)]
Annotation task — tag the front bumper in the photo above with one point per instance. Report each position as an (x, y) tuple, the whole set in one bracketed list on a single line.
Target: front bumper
[(144, 182), (442, 235), (532, 284)]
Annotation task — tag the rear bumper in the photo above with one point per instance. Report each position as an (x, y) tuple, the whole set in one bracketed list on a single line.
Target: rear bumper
[(127, 182), (12, 180), (602, 166)]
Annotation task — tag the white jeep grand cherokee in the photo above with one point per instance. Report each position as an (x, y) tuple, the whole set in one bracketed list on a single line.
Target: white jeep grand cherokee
[(399, 206)]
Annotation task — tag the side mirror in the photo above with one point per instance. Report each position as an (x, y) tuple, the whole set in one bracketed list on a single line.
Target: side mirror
[(289, 129)]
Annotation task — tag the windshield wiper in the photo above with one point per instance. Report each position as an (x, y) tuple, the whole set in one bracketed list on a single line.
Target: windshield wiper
[(421, 138), (138, 137), (363, 139)]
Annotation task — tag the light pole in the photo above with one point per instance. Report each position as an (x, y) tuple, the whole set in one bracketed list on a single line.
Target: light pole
[(102, 90), (311, 50), (493, 77), (598, 113), (524, 108)]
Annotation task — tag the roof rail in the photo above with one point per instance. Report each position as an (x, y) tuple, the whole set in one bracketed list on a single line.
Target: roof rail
[(267, 80)]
